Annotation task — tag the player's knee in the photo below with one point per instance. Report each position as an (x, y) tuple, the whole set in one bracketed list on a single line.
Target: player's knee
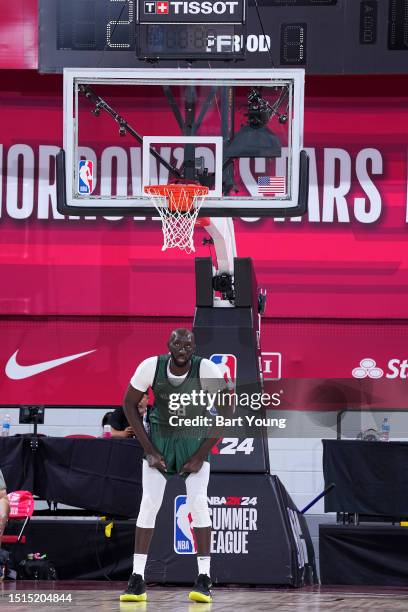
[(149, 508), (200, 511)]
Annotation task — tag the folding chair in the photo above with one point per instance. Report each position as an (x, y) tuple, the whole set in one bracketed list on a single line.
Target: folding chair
[(21, 508)]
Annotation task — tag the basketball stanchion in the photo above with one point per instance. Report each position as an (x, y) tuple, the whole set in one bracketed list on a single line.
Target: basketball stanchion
[(211, 177), (178, 205)]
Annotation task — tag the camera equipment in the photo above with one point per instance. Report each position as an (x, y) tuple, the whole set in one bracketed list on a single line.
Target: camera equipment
[(31, 415), (259, 109), (261, 302), (223, 283)]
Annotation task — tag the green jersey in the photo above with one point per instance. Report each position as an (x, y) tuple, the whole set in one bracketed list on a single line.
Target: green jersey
[(176, 444)]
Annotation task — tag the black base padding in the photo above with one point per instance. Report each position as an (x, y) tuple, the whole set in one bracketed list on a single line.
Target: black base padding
[(234, 332), (204, 286), (257, 538), (364, 555), (245, 283)]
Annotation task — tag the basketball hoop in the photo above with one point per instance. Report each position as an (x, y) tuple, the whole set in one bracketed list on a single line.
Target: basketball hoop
[(178, 205)]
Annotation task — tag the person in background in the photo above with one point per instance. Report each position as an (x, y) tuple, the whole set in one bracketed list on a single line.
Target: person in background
[(106, 419), (119, 424)]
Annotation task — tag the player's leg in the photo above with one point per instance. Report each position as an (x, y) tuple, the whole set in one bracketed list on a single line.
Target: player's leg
[(154, 484), (196, 486)]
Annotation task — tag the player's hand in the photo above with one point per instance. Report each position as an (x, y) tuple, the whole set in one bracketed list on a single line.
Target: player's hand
[(193, 465), (155, 460)]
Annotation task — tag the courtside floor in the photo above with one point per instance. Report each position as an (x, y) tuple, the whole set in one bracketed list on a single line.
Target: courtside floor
[(103, 596)]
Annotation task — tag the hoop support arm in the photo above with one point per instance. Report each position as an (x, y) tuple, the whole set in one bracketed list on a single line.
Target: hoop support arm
[(221, 230)]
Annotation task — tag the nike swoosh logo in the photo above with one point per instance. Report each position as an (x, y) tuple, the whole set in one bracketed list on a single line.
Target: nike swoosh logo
[(16, 371)]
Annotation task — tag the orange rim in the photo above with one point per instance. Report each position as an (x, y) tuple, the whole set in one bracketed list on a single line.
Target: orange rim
[(180, 196)]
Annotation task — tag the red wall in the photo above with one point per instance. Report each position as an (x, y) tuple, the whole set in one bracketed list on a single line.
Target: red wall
[(346, 267), (347, 258), (303, 349)]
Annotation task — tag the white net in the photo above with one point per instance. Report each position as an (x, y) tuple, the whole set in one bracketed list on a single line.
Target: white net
[(178, 206)]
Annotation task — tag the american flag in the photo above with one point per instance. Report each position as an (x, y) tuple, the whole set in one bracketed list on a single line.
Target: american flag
[(271, 185)]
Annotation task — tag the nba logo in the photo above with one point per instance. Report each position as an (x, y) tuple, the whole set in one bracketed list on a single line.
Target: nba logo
[(184, 541), (85, 176), (227, 364)]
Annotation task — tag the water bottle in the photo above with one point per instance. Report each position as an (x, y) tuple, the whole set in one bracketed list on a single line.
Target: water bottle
[(5, 432), (107, 431), (385, 430)]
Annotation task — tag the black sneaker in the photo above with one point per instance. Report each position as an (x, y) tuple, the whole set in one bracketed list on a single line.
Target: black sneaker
[(202, 589), (136, 589)]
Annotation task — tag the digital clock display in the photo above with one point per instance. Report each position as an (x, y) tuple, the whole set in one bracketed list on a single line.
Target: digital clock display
[(293, 44), (189, 40)]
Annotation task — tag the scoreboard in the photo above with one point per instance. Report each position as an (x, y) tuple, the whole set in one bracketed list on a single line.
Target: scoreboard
[(322, 36), (182, 29)]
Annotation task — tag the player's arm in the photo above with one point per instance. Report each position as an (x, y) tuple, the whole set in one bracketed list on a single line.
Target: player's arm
[(140, 382)]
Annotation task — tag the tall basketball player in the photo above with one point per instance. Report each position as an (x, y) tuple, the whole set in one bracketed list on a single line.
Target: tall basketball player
[(169, 451)]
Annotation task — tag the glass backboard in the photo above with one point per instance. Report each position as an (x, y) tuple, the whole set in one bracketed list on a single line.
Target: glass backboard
[(238, 132)]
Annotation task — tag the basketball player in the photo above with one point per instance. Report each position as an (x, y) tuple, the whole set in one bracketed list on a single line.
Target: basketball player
[(169, 452)]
